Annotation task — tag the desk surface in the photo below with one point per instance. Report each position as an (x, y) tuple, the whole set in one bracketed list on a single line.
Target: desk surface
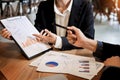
[(16, 67)]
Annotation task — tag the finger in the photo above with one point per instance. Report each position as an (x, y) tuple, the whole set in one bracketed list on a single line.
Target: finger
[(4, 30), (45, 40), (70, 28), (71, 41), (45, 34), (6, 34), (37, 35), (48, 32), (38, 39), (9, 36), (70, 32), (71, 35), (74, 37), (42, 32), (52, 37), (73, 29)]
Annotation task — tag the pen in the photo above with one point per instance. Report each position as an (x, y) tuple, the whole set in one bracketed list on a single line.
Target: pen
[(60, 26), (54, 24)]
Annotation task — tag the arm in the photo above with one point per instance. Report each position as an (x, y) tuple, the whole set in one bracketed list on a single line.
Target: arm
[(107, 50), (80, 40), (82, 18)]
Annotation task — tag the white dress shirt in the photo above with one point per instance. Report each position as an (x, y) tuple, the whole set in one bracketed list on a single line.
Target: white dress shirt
[(61, 19)]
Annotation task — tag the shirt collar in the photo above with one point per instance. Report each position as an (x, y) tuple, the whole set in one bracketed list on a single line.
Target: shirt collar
[(68, 9)]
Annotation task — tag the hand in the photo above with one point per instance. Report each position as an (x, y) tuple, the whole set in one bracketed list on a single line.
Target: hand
[(46, 36), (71, 37), (113, 61), (77, 38), (6, 34)]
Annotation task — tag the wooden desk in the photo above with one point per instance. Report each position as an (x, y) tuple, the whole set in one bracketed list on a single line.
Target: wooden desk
[(16, 67)]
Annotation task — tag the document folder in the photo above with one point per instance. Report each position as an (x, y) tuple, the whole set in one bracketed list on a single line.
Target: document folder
[(22, 31)]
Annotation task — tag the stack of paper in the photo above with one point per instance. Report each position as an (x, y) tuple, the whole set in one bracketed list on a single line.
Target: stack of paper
[(85, 67)]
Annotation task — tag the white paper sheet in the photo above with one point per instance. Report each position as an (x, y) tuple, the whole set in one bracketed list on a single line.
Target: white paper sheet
[(80, 66)]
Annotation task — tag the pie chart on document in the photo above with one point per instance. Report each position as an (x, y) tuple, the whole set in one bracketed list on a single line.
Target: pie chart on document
[(51, 64)]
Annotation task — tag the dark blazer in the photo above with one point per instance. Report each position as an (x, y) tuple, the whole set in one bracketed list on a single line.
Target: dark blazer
[(81, 16), (111, 73), (110, 50), (107, 50)]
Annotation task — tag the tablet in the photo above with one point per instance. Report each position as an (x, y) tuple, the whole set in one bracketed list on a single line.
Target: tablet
[(22, 31)]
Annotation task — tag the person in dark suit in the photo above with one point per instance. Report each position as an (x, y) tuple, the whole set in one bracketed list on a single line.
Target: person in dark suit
[(101, 50), (77, 13), (80, 15)]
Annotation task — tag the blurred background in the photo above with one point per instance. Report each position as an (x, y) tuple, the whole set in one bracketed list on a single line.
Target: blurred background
[(106, 16)]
